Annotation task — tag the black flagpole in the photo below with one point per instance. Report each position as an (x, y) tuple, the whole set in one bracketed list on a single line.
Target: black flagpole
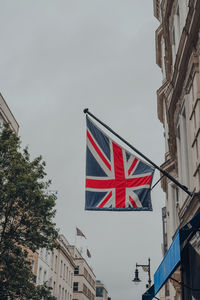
[(184, 188)]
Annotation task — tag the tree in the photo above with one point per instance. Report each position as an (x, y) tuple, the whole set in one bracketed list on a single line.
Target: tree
[(27, 210)]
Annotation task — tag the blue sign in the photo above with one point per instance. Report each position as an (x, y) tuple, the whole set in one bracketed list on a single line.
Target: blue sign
[(168, 264)]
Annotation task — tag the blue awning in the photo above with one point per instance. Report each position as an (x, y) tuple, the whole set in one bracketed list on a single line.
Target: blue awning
[(173, 256), (169, 263)]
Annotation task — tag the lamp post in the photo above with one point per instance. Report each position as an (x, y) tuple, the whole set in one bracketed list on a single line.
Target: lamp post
[(146, 268)]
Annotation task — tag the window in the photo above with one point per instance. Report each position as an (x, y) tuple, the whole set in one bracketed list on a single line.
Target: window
[(75, 287), (67, 275), (33, 265), (182, 147), (64, 272), (56, 260), (175, 208), (164, 223), (61, 267), (76, 271), (99, 292), (40, 274), (41, 253), (62, 293), (50, 281), (45, 276), (52, 256), (54, 288), (59, 293), (71, 278)]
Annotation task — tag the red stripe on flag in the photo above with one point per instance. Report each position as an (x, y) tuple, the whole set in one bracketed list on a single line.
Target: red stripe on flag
[(98, 151), (100, 184), (106, 199), (133, 182), (132, 166), (132, 202), (121, 183), (120, 180)]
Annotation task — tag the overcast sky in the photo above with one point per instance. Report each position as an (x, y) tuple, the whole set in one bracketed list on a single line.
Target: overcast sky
[(58, 57)]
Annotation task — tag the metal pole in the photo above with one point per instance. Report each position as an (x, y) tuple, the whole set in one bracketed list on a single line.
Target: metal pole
[(149, 273), (184, 188)]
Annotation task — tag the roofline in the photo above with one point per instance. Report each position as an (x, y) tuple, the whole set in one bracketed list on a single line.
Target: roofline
[(10, 112)]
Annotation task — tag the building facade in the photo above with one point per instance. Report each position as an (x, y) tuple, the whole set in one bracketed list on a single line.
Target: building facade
[(56, 269), (178, 103), (43, 267), (62, 270), (84, 278)]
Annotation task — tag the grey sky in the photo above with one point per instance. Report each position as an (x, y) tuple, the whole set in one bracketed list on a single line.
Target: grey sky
[(58, 57)]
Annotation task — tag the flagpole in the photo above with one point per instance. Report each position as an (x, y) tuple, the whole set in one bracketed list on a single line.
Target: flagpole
[(75, 238), (184, 188)]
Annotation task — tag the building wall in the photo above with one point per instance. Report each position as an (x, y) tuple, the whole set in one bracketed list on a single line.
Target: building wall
[(62, 271), (43, 269), (84, 278), (178, 104), (56, 268)]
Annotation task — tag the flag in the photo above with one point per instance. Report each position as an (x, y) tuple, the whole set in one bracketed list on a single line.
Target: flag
[(79, 232), (88, 253), (115, 179)]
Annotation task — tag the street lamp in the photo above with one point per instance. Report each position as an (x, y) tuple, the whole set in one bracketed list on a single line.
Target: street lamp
[(136, 280), (146, 268)]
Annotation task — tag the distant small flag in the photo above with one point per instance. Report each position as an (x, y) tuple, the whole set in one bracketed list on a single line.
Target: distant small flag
[(79, 232), (88, 253)]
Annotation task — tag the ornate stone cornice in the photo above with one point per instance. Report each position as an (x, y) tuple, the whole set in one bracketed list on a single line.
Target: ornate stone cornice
[(160, 100), (158, 37), (169, 166), (189, 209), (166, 13)]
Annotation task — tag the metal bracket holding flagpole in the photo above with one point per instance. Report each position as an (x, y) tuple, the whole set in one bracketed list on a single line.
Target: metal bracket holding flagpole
[(183, 187)]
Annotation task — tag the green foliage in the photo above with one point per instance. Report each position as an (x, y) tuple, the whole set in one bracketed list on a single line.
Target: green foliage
[(26, 213)]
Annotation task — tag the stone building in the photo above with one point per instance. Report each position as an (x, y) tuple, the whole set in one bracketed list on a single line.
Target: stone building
[(178, 104), (84, 278), (61, 264), (66, 272), (43, 267)]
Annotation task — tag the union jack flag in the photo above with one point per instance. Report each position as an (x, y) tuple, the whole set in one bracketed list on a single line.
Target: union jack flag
[(115, 179)]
